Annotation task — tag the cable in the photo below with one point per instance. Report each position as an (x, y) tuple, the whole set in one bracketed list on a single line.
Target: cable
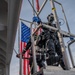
[(15, 51)]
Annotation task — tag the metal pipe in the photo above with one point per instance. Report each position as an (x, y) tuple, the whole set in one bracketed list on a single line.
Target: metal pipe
[(25, 20), (64, 15), (46, 26), (57, 2), (20, 64), (33, 52), (58, 26), (36, 29), (45, 1), (65, 19), (33, 13), (32, 7), (61, 31), (20, 60), (50, 27), (66, 33), (70, 52)]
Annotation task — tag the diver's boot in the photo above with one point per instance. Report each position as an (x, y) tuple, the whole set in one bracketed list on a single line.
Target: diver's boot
[(62, 64)]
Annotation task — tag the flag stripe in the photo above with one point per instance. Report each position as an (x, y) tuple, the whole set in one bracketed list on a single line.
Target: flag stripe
[(20, 46), (25, 36), (25, 62)]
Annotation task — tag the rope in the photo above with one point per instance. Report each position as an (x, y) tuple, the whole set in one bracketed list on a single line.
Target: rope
[(15, 51)]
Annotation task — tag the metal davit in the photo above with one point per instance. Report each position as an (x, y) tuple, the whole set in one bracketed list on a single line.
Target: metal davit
[(48, 70)]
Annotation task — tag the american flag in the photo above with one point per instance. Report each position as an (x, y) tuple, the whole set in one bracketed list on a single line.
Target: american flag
[(25, 33), (25, 36)]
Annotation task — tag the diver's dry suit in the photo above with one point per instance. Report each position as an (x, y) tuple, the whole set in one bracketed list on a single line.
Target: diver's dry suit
[(49, 40)]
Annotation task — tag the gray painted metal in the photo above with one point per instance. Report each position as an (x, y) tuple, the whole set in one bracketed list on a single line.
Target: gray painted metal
[(64, 15), (67, 34), (8, 19), (73, 41), (42, 6), (20, 66), (33, 51), (59, 34)]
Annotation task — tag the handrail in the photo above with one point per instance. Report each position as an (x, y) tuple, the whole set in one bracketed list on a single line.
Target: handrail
[(70, 52), (63, 14), (57, 2)]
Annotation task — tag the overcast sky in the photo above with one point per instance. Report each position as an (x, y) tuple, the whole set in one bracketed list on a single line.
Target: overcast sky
[(27, 14)]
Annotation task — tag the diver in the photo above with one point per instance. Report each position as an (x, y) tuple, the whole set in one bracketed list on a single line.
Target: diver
[(55, 38), (48, 40)]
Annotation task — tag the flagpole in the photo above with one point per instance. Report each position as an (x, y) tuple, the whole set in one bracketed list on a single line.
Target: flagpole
[(20, 49), (20, 63), (33, 13)]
